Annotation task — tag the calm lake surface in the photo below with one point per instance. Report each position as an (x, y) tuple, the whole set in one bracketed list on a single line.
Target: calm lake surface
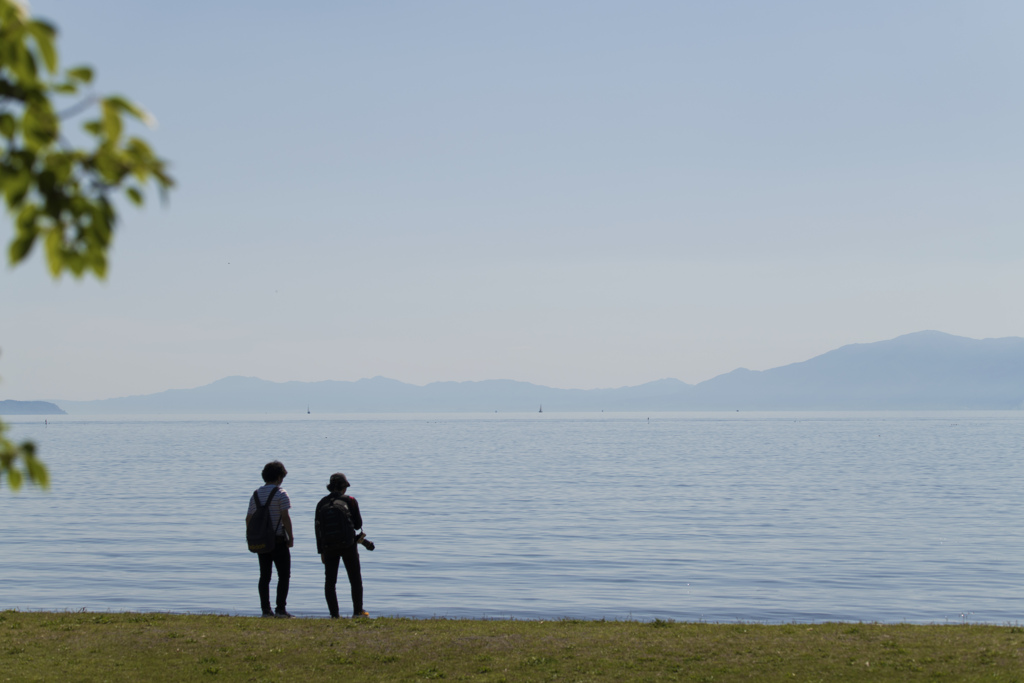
[(768, 517)]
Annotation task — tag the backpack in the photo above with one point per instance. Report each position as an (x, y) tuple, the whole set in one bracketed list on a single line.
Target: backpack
[(334, 526), (259, 532)]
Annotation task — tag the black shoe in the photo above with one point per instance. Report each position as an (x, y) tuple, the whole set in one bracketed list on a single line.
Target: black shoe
[(335, 616), (360, 614), (267, 613), (282, 614)]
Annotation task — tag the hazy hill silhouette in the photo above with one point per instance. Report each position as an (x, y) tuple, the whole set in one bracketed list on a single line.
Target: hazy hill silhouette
[(379, 394), (919, 371), (29, 408), (923, 370)]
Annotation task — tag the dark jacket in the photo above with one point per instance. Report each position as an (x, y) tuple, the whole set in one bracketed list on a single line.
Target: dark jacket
[(353, 508)]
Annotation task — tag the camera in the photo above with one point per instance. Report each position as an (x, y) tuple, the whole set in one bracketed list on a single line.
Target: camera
[(363, 541)]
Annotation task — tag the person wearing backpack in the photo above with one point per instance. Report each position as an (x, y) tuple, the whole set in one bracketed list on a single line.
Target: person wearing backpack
[(336, 521), (270, 504)]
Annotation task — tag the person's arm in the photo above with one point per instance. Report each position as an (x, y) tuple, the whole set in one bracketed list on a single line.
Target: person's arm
[(286, 522), (316, 528), (353, 507), (251, 511)]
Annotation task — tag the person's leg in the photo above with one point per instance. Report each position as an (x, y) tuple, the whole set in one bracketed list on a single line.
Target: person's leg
[(266, 568), (331, 563), (283, 562), (355, 578)]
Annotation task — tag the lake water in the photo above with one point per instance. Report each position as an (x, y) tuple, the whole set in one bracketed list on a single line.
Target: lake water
[(767, 517)]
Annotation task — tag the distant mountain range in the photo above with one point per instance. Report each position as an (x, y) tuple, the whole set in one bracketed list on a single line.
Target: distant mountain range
[(29, 408), (921, 371)]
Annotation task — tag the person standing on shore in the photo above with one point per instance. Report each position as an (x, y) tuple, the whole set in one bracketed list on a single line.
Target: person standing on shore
[(336, 521), (280, 557)]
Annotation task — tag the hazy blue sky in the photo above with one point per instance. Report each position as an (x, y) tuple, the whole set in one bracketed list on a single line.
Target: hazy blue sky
[(573, 193)]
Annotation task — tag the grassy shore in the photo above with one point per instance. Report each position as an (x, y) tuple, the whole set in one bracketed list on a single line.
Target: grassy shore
[(166, 647)]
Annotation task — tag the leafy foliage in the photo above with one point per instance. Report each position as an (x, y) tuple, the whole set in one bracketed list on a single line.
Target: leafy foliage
[(60, 195), (31, 467)]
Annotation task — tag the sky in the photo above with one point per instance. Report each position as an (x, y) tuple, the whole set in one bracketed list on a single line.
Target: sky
[(578, 194)]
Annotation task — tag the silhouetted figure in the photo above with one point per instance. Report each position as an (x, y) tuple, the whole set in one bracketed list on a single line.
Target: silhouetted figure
[(337, 520), (280, 557)]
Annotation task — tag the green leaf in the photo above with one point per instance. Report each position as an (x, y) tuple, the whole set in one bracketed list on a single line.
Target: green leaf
[(122, 104), (16, 188), (55, 256), (45, 34), (99, 265), (138, 148), (82, 74), (37, 472), (135, 195), (40, 125), (111, 119), (20, 248), (7, 125)]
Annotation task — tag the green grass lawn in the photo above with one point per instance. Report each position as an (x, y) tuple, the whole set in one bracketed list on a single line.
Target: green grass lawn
[(49, 646)]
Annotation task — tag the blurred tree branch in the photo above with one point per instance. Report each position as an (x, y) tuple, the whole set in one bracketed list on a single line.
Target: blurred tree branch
[(59, 195)]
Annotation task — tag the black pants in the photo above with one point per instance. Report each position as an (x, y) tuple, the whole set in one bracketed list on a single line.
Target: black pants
[(355, 579), (280, 557)]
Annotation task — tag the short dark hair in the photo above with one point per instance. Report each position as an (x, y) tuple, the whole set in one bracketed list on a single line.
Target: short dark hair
[(273, 471)]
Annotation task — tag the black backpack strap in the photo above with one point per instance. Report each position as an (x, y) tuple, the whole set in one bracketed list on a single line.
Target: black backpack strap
[(256, 497), (267, 504)]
